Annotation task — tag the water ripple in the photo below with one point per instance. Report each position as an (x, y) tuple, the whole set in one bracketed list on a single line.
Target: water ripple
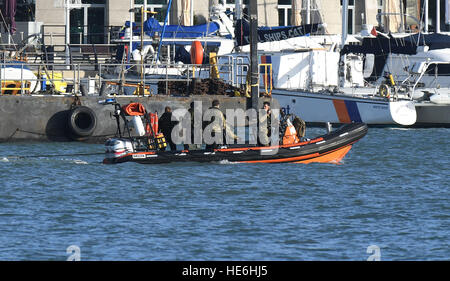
[(391, 191)]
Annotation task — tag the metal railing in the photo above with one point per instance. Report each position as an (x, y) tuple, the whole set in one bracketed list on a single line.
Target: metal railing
[(73, 76), (52, 32), (25, 83)]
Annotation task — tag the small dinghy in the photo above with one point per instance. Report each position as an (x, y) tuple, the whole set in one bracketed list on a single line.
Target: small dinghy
[(149, 147)]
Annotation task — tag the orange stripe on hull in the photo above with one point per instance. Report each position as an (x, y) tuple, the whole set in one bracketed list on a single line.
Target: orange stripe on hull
[(291, 159), (341, 111), (333, 157), (270, 147)]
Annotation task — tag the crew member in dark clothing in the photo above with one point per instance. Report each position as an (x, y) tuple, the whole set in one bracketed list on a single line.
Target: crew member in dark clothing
[(266, 107), (166, 125), (265, 125), (190, 113)]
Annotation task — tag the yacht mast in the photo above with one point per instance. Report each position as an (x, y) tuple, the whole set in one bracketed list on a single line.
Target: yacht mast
[(425, 8), (438, 16), (238, 10), (308, 11), (67, 31), (131, 28), (253, 10), (344, 22)]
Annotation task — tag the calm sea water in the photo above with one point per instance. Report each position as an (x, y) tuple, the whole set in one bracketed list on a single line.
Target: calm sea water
[(390, 193)]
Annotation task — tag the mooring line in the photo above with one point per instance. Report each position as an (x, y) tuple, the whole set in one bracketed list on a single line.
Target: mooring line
[(12, 135), (51, 135), (53, 155)]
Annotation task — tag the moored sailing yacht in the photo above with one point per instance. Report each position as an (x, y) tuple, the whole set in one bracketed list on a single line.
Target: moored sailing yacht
[(418, 62), (323, 85)]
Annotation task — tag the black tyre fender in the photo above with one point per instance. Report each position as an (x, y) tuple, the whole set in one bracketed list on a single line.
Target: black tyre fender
[(82, 122)]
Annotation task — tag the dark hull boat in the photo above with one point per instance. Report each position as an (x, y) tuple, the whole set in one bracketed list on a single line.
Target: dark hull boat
[(329, 148)]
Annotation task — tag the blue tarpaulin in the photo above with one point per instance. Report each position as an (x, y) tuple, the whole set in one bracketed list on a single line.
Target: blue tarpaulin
[(151, 26)]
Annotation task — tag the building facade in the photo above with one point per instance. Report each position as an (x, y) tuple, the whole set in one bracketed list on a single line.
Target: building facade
[(62, 22)]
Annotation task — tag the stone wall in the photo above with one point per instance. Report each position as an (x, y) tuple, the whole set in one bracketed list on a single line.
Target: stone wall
[(45, 118)]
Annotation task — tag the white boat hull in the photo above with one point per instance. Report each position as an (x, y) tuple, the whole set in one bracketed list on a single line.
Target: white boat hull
[(341, 109), (430, 114), (443, 98), (19, 74)]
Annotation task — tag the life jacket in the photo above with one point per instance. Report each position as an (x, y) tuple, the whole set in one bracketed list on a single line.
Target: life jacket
[(290, 134), (153, 126)]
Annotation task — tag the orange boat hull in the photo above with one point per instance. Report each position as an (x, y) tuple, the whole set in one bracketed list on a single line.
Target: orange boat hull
[(331, 157)]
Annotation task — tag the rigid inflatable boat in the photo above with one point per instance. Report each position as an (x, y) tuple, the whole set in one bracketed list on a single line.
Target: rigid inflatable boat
[(149, 148)]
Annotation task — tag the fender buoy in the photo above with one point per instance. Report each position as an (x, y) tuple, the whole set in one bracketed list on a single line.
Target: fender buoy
[(384, 91), (196, 52), (82, 122), (125, 50)]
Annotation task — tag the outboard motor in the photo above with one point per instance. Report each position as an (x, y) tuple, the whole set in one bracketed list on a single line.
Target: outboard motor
[(116, 148)]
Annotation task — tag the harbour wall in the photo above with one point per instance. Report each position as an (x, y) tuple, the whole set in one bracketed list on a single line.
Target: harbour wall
[(46, 118)]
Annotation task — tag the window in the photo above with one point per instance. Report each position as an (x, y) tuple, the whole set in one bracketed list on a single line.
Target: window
[(432, 19), (159, 6), (284, 15), (447, 12), (351, 16), (230, 5), (284, 12), (87, 21), (438, 69)]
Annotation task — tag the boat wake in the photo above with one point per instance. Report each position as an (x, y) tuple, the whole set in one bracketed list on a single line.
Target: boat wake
[(401, 129), (226, 162), (77, 161), (14, 158), (337, 162)]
